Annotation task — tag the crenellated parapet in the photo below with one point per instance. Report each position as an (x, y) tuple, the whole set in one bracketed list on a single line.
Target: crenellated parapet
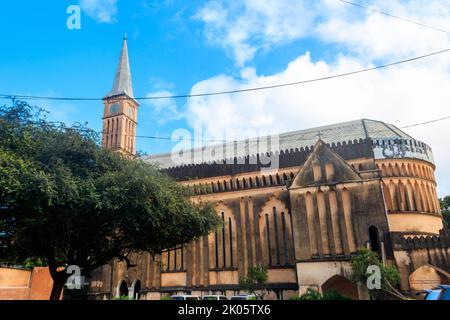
[(401, 149), (423, 261), (409, 184), (410, 243), (348, 150)]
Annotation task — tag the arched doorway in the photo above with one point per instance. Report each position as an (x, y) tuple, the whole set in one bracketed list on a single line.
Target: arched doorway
[(122, 289), (342, 286), (374, 238), (427, 277), (135, 290)]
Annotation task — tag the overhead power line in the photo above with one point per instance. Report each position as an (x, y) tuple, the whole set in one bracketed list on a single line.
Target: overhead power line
[(423, 25), (341, 75), (294, 139), (424, 123)]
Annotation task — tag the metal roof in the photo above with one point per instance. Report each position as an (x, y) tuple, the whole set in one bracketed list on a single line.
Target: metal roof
[(341, 132)]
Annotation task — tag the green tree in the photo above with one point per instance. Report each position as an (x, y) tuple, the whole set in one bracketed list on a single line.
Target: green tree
[(255, 282), (313, 294), (67, 201), (390, 276), (445, 208)]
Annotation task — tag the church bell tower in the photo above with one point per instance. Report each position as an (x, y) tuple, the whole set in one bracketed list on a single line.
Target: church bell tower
[(120, 110)]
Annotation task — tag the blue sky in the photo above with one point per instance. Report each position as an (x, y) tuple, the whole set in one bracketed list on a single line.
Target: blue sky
[(179, 47), (167, 48)]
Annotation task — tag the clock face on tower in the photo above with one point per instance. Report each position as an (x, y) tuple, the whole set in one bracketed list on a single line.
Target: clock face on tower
[(130, 112), (114, 108)]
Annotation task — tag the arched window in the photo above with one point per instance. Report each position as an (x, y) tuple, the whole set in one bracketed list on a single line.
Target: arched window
[(238, 184), (374, 238), (136, 290), (223, 243), (342, 286), (263, 181), (276, 234), (122, 289)]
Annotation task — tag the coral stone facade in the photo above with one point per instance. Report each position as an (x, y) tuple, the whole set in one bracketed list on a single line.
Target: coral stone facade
[(333, 190)]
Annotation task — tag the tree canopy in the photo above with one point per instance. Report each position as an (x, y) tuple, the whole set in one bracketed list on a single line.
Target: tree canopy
[(255, 282), (67, 201), (445, 207), (389, 274)]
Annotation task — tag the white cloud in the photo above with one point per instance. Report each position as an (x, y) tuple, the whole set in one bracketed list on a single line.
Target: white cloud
[(244, 27), (103, 11), (164, 109), (375, 36), (400, 95)]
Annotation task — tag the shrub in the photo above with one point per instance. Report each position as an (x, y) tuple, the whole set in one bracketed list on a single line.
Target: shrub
[(122, 298)]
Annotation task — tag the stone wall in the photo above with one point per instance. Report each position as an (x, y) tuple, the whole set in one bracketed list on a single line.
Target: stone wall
[(24, 284), (414, 253)]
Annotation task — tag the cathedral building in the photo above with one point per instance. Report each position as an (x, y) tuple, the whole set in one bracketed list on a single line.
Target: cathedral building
[(334, 189)]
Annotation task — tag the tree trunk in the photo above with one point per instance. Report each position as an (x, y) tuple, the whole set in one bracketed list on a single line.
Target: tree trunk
[(59, 279), (57, 289)]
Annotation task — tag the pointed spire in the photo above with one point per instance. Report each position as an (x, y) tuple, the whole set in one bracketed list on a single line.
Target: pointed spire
[(122, 81)]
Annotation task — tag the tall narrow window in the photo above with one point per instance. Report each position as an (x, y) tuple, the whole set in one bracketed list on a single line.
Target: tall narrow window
[(224, 250), (216, 244), (168, 260), (374, 237), (285, 245), (275, 228), (222, 244), (230, 232), (268, 240)]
